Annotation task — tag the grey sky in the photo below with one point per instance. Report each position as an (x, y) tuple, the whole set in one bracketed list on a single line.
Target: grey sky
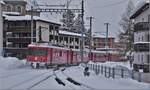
[(102, 10)]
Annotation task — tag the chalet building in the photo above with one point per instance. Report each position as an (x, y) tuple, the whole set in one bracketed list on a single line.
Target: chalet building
[(141, 17), (99, 42), (17, 35), (17, 30), (18, 6), (70, 39)]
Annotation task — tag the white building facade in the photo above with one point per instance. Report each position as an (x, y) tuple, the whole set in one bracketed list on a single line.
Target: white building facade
[(141, 17), (1, 28)]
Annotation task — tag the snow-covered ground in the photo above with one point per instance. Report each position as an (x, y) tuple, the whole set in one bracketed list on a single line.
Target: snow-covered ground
[(16, 74)]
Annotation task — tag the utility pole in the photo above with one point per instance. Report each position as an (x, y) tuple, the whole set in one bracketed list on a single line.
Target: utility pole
[(32, 24), (82, 41), (149, 32), (106, 42), (90, 45)]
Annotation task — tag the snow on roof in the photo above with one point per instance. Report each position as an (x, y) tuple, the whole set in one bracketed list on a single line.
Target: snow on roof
[(70, 33), (101, 36), (2, 2), (46, 45), (15, 0), (142, 43), (26, 17), (139, 5), (11, 13)]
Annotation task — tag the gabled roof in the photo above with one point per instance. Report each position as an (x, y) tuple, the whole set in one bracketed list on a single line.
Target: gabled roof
[(142, 6), (27, 18)]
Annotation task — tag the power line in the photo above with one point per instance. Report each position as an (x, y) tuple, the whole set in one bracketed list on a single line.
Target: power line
[(113, 4)]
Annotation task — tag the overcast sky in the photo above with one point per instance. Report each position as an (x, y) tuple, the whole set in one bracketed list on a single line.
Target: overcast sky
[(102, 10)]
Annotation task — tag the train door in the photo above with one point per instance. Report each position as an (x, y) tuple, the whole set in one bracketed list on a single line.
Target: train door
[(50, 55)]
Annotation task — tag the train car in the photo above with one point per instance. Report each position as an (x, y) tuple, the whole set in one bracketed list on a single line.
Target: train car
[(107, 55), (48, 55)]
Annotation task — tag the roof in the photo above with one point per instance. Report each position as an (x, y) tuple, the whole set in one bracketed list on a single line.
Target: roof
[(70, 33), (16, 0), (140, 8), (142, 43), (2, 2), (27, 18), (101, 36)]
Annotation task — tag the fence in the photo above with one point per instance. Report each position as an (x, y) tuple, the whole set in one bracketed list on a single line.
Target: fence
[(114, 72)]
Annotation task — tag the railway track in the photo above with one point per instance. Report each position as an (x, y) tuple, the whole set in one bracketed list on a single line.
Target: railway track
[(65, 81), (14, 74), (75, 82), (28, 80)]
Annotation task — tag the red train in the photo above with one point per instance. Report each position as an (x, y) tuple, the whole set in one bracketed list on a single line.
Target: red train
[(48, 55)]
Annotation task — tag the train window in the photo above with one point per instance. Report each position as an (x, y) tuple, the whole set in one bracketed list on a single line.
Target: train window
[(60, 53), (38, 52)]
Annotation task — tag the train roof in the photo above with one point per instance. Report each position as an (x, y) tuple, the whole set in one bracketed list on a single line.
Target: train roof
[(49, 45)]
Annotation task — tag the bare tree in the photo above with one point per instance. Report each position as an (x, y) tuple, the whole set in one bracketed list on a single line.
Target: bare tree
[(126, 35)]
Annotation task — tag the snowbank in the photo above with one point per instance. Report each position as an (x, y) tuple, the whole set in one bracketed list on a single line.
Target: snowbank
[(11, 63)]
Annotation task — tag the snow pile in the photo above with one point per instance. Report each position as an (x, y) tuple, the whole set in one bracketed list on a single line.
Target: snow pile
[(100, 82), (11, 63)]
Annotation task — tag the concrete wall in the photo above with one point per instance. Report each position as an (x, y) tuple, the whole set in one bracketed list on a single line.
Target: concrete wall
[(1, 30)]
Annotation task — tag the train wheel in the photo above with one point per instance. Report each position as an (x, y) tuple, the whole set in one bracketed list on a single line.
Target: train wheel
[(37, 65), (32, 65), (46, 66)]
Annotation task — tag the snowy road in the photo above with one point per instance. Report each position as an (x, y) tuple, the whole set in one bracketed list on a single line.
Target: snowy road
[(45, 79)]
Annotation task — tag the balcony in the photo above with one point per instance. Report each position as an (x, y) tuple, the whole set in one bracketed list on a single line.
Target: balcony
[(19, 39), (141, 26), (18, 29), (141, 47)]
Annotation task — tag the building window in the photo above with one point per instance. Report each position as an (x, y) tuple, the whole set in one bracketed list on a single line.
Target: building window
[(142, 38), (19, 9), (148, 37), (138, 57), (142, 58), (9, 9), (148, 58)]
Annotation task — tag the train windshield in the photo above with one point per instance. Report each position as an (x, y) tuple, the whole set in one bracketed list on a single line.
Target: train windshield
[(38, 52)]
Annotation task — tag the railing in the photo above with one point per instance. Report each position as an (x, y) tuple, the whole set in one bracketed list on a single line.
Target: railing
[(142, 47), (110, 71), (141, 26)]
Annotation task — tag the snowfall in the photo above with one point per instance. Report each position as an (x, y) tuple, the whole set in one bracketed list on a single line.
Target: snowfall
[(17, 74)]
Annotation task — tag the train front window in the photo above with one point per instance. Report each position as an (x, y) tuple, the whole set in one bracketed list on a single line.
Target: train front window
[(38, 52)]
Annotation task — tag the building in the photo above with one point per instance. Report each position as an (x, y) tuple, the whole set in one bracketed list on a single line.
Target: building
[(17, 35), (141, 17), (100, 42), (17, 30), (17, 6), (70, 39), (1, 28)]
